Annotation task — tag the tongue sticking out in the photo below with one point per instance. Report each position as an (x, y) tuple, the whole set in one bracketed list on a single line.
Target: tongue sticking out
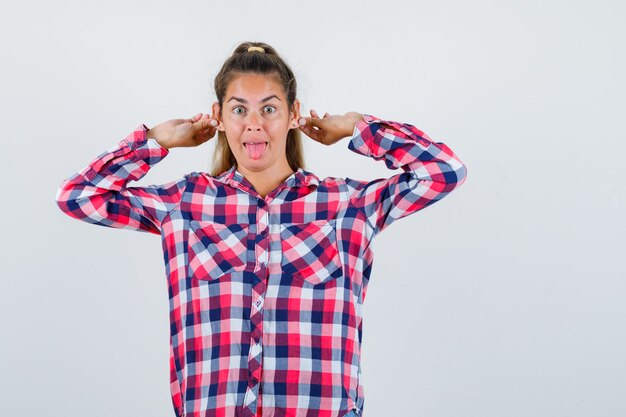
[(255, 150)]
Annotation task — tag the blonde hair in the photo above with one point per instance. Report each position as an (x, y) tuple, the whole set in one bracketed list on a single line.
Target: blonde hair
[(259, 62)]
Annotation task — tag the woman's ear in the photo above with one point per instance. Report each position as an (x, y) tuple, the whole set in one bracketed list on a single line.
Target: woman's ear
[(215, 108), (294, 115)]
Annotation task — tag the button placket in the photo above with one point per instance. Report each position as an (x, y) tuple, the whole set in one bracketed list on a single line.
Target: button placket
[(255, 358), (262, 243), (259, 303)]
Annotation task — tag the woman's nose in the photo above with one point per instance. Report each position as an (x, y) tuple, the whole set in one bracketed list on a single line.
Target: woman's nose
[(254, 121)]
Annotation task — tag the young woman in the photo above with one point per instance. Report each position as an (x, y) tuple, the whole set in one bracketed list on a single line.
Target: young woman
[(267, 264)]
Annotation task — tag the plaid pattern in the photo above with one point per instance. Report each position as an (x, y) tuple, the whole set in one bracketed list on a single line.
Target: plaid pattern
[(266, 294)]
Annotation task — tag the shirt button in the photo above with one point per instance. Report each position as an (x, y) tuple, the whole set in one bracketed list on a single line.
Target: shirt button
[(261, 203), (254, 380), (256, 339), (264, 232)]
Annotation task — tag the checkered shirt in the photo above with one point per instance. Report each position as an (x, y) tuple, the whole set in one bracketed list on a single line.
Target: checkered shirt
[(266, 293)]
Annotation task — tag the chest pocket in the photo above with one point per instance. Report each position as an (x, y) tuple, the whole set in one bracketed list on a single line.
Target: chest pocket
[(310, 252), (216, 249)]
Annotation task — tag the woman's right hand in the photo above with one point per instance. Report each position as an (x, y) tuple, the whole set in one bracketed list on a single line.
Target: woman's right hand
[(184, 132)]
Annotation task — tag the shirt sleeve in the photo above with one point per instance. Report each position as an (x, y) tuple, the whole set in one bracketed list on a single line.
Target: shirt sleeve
[(98, 193), (430, 171)]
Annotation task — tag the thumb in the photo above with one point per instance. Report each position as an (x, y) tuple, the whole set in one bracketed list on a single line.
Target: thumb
[(310, 122), (203, 124)]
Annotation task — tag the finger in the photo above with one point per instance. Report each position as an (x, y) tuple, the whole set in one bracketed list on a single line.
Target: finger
[(310, 132), (202, 125), (308, 122), (326, 115), (206, 118), (314, 113), (210, 119), (314, 122), (306, 126), (308, 129), (204, 135)]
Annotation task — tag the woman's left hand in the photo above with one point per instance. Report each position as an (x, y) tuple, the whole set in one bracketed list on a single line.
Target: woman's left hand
[(329, 129)]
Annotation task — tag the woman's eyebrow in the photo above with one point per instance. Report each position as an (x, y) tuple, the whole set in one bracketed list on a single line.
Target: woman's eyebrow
[(262, 101)]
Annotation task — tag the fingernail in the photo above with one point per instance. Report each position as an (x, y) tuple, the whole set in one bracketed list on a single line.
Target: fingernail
[(302, 121), (213, 123)]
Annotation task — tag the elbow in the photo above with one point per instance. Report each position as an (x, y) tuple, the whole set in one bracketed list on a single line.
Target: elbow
[(461, 174), (455, 176), (65, 202), (60, 197)]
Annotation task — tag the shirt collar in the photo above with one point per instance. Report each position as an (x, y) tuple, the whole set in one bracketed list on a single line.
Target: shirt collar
[(299, 178)]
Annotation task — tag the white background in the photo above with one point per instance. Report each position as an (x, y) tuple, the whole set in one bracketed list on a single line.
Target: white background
[(505, 298)]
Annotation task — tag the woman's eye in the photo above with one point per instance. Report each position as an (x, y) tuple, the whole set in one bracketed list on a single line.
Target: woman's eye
[(238, 108), (272, 108)]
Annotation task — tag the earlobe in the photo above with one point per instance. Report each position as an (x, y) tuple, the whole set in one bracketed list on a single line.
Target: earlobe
[(295, 114)]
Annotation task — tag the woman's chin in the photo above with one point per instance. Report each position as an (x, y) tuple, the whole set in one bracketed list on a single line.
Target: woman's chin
[(253, 164)]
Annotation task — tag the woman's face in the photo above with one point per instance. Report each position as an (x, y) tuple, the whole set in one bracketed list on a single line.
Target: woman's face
[(255, 110)]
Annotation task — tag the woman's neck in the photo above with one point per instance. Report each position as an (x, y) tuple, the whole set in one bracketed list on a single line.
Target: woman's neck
[(265, 182)]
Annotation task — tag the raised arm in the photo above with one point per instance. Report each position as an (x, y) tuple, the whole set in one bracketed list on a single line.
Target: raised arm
[(99, 194), (430, 171)]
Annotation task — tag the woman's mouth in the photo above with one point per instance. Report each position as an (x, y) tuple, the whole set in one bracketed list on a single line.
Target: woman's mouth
[(255, 148)]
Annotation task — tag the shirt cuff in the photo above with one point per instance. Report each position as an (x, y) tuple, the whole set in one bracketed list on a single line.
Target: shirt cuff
[(138, 139), (362, 128)]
